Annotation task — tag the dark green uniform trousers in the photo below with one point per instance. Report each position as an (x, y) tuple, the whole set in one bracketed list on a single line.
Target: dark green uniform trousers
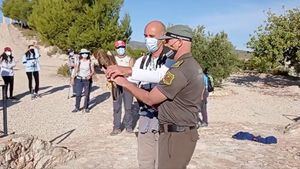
[(175, 149)]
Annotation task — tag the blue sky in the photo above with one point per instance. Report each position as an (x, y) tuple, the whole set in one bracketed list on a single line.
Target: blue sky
[(238, 18)]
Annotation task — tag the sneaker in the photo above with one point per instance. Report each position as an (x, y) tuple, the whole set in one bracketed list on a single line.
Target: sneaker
[(204, 124), (115, 132), (13, 98), (75, 110), (32, 96), (37, 95), (129, 130), (86, 110)]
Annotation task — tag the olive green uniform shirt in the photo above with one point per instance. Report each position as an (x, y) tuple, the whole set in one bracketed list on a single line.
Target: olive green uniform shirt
[(183, 86)]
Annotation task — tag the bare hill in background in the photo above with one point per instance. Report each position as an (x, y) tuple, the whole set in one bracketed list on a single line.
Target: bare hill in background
[(137, 45)]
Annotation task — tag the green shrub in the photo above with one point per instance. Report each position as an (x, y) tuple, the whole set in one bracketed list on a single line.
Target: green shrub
[(276, 42), (63, 70), (216, 53), (280, 71), (135, 53), (260, 64)]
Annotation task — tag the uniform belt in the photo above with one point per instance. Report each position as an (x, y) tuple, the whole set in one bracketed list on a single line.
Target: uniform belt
[(174, 128)]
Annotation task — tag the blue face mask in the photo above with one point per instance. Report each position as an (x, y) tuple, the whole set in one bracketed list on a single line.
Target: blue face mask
[(121, 51), (151, 44)]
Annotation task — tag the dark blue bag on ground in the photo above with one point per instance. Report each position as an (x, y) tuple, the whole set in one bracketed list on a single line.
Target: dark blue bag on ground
[(248, 136)]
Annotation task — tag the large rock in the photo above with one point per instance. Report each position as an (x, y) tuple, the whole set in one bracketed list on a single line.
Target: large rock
[(25, 151)]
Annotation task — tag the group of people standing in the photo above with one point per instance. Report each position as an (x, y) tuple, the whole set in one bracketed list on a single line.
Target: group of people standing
[(170, 88), (30, 61), (167, 82), (169, 85)]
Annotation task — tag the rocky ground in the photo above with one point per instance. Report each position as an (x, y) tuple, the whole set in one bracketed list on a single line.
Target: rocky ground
[(257, 103)]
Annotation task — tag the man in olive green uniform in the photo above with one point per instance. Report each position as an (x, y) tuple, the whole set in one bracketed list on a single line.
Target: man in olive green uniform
[(178, 98)]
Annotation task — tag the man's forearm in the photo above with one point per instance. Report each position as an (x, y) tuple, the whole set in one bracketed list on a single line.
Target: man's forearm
[(139, 93)]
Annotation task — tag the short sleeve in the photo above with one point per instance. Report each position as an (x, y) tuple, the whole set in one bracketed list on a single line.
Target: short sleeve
[(172, 83)]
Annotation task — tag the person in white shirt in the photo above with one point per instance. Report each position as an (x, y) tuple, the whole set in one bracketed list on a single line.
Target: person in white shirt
[(72, 60), (147, 71), (84, 70), (122, 60), (32, 67), (7, 71)]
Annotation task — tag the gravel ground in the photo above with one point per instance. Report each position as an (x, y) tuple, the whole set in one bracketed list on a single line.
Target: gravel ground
[(248, 102)]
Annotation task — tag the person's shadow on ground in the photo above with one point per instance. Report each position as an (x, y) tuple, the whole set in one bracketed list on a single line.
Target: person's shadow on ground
[(62, 137), (99, 99), (55, 89), (249, 80), (19, 97), (94, 88)]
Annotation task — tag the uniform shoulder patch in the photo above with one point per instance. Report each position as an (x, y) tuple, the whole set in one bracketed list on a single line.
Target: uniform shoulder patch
[(178, 63), (168, 78)]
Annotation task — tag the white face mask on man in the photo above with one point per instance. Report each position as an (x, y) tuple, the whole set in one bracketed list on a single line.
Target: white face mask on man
[(151, 44), (8, 53), (121, 51)]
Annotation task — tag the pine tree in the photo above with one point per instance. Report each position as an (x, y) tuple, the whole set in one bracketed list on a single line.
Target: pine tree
[(18, 10), (77, 24), (98, 26), (52, 19)]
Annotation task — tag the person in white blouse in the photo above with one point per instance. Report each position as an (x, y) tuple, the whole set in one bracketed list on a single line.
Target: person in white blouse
[(31, 62), (84, 70), (7, 71)]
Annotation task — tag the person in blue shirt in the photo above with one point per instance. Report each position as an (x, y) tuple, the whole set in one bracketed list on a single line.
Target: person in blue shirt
[(32, 67), (204, 121)]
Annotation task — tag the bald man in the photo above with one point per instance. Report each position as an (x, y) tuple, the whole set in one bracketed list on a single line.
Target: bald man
[(178, 97), (147, 71)]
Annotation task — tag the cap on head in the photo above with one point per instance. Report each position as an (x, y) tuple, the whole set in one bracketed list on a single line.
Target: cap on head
[(120, 43), (7, 49), (82, 51), (178, 32)]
